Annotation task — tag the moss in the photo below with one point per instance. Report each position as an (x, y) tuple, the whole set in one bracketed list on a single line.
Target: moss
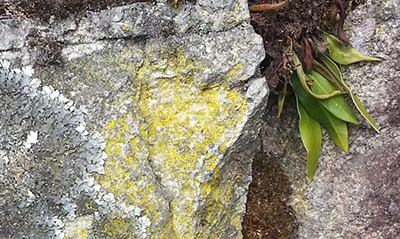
[(175, 127)]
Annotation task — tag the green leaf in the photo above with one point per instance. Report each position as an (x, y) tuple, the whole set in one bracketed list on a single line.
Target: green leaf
[(303, 80), (327, 74), (336, 128), (310, 132), (364, 112), (281, 99), (360, 107), (331, 66), (344, 55), (336, 105)]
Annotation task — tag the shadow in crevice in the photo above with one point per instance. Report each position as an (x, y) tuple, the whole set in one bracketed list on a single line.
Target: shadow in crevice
[(44, 9), (268, 213)]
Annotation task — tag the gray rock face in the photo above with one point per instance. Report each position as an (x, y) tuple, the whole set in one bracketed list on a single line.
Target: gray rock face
[(355, 195), (138, 121)]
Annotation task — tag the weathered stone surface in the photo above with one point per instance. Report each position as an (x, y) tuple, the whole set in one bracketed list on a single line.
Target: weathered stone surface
[(355, 195), (139, 121)]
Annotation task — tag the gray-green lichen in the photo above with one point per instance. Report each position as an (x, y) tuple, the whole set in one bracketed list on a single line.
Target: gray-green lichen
[(51, 170)]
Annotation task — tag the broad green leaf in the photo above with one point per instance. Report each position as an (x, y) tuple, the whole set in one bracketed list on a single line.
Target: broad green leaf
[(281, 99), (336, 105), (360, 107), (344, 55), (336, 128), (310, 132)]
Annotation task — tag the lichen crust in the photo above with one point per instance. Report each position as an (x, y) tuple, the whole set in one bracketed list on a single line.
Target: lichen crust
[(165, 151)]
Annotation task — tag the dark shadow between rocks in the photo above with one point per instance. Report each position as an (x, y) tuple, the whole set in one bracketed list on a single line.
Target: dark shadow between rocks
[(268, 213), (44, 9)]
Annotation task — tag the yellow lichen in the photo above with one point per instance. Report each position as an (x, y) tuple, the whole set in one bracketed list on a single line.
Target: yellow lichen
[(89, 206), (125, 27), (232, 73), (117, 228), (179, 126)]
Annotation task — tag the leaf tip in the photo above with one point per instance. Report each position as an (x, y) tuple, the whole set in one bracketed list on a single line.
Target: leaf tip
[(309, 180), (343, 146), (345, 149), (376, 128), (355, 121)]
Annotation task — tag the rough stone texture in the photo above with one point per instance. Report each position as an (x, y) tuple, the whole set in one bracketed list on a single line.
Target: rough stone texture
[(355, 195), (139, 121)]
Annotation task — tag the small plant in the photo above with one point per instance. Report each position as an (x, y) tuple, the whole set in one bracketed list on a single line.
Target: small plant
[(319, 87), (319, 92)]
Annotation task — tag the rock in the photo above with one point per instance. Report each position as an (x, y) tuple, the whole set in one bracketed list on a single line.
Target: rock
[(137, 121), (354, 195)]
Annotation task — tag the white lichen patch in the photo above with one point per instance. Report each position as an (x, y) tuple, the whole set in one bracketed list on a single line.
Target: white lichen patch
[(31, 139), (80, 228), (56, 126), (81, 50)]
